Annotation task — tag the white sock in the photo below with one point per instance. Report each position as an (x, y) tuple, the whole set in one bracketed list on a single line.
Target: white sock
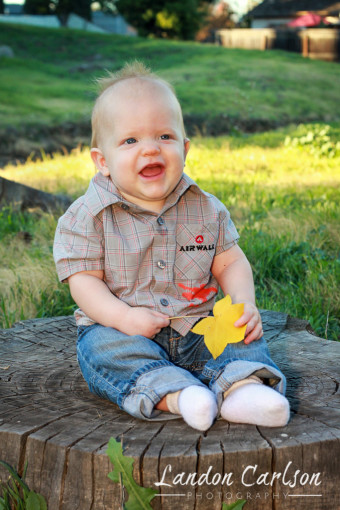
[(196, 404), (256, 404)]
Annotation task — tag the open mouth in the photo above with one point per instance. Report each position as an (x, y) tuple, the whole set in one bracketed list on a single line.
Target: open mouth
[(152, 171)]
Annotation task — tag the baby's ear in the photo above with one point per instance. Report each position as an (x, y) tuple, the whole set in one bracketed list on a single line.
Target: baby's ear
[(100, 161), (186, 147)]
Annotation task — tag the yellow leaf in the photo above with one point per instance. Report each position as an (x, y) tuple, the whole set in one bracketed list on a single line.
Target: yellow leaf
[(219, 330)]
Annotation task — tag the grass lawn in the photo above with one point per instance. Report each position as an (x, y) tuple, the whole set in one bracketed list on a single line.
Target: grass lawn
[(283, 199), (51, 79)]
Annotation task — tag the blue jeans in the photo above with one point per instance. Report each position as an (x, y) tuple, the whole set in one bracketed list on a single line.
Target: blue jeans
[(136, 372)]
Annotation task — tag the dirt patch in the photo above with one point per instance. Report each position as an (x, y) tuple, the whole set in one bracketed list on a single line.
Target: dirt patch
[(18, 144)]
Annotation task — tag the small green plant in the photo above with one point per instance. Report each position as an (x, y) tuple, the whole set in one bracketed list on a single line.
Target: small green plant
[(238, 505), (138, 497), (15, 493), (317, 139)]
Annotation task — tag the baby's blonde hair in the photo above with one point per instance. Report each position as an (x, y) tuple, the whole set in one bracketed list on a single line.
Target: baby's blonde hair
[(130, 70)]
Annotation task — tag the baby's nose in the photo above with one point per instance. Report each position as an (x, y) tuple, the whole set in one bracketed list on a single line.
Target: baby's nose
[(150, 148)]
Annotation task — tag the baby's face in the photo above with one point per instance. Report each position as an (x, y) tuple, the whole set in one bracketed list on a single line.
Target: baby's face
[(142, 145)]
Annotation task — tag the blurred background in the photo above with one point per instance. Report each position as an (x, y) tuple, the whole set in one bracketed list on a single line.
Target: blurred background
[(259, 87)]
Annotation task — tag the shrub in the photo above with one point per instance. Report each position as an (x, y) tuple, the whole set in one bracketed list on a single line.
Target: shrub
[(316, 139)]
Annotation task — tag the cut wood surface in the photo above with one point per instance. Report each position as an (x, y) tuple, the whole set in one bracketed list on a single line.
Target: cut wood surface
[(49, 418)]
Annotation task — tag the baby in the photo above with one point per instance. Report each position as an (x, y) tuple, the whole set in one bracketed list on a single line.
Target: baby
[(145, 244)]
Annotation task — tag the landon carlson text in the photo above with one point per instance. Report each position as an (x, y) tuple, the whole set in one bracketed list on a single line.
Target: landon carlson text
[(250, 477)]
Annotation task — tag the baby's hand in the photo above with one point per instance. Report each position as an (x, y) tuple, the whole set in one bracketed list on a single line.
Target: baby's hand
[(143, 321), (251, 317)]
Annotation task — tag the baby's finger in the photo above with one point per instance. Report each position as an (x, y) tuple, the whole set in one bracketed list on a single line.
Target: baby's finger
[(161, 317), (255, 334), (255, 319), (165, 322), (244, 319), (158, 330), (161, 320)]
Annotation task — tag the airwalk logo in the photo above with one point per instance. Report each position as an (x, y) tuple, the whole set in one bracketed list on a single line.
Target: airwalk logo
[(199, 246)]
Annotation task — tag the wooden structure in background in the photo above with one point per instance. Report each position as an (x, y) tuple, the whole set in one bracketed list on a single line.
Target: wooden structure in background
[(316, 43), (49, 418)]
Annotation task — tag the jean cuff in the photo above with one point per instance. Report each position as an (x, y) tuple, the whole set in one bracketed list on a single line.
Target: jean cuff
[(241, 369), (251, 379), (152, 386)]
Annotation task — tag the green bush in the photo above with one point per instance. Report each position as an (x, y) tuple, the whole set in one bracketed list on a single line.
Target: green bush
[(316, 138)]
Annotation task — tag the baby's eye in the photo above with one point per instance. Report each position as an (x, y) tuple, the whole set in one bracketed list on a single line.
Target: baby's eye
[(165, 137), (130, 140)]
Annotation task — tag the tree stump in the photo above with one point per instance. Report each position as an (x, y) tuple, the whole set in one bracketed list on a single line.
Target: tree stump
[(50, 419)]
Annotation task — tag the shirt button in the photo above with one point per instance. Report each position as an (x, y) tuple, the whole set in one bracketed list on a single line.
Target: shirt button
[(164, 302), (161, 264), (125, 207), (160, 221)]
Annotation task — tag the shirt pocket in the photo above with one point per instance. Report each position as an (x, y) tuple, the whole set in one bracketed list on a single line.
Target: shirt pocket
[(195, 250)]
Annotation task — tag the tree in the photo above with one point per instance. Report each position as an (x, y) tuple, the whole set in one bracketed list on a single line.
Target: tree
[(170, 19), (2, 7), (62, 8), (107, 6), (37, 7), (219, 16)]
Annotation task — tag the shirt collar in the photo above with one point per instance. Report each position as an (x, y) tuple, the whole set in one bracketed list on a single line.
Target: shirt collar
[(103, 193), (184, 184)]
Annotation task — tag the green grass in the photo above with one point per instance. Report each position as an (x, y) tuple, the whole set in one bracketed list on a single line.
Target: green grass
[(283, 199), (41, 85), (15, 493)]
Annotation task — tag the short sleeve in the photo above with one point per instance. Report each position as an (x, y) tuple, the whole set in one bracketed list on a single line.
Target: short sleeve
[(79, 242), (228, 235)]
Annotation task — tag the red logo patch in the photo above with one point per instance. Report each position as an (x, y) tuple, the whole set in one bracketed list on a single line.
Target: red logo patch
[(199, 239), (200, 293)]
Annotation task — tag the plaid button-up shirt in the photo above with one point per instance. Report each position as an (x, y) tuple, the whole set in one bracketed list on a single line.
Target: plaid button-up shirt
[(160, 261)]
